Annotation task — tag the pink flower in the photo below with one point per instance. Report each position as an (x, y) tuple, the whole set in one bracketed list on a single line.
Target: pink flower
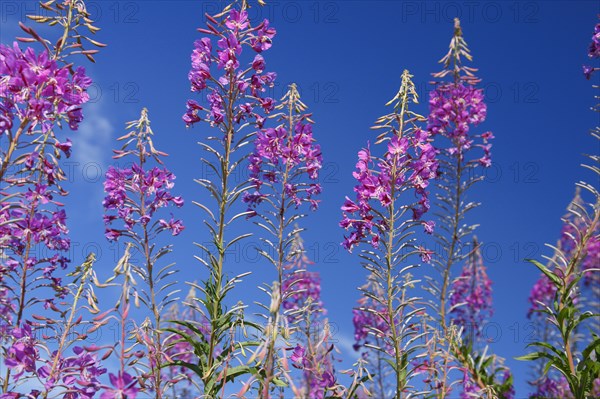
[(298, 357), (123, 386)]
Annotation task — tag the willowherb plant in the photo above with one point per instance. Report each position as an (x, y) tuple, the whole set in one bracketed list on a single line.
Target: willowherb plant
[(569, 349), (593, 52), (125, 382), (471, 300), (551, 383), (39, 90), (178, 349), (305, 313), (284, 170), (229, 67), (384, 217), (134, 198), (456, 106)]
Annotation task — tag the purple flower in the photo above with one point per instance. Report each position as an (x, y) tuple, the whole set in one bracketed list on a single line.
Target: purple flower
[(65, 147), (230, 50), (124, 188), (409, 163), (123, 386), (470, 388), (264, 37), (587, 71), (38, 89), (453, 108), (429, 226), (553, 387), (543, 292), (592, 261), (298, 288), (291, 158), (593, 52), (176, 226), (236, 33), (298, 357), (471, 295), (237, 20), (425, 254), (22, 355)]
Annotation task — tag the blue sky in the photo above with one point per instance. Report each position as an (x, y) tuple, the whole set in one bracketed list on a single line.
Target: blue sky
[(347, 57)]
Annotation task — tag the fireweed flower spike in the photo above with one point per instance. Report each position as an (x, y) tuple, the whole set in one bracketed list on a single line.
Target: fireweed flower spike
[(178, 349), (370, 329), (594, 52), (391, 199), (571, 349), (133, 205), (229, 71), (304, 311), (123, 383), (284, 171), (471, 300), (543, 293), (456, 107), (40, 89)]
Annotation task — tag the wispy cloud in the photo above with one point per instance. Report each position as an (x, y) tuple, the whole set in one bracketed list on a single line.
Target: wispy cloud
[(93, 138), (91, 153)]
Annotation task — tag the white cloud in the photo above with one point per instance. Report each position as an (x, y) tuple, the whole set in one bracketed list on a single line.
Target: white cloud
[(93, 137)]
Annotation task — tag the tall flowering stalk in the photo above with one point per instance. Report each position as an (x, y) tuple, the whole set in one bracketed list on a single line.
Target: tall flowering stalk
[(39, 91), (284, 172), (456, 106), (384, 217), (228, 66), (572, 355), (79, 372), (471, 301), (364, 322), (134, 198), (178, 349), (305, 313), (124, 383), (552, 383)]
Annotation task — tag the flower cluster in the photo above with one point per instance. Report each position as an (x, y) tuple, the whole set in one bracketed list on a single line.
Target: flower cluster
[(122, 385), (135, 194), (471, 297), (39, 226), (471, 390), (127, 186), (542, 292), (453, 107), (592, 261), (33, 87), (552, 387), (285, 154), (234, 81), (318, 370), (299, 289), (177, 349), (321, 377), (594, 52), (370, 316), (32, 218), (7, 305), (573, 225), (22, 355), (80, 373), (409, 163)]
